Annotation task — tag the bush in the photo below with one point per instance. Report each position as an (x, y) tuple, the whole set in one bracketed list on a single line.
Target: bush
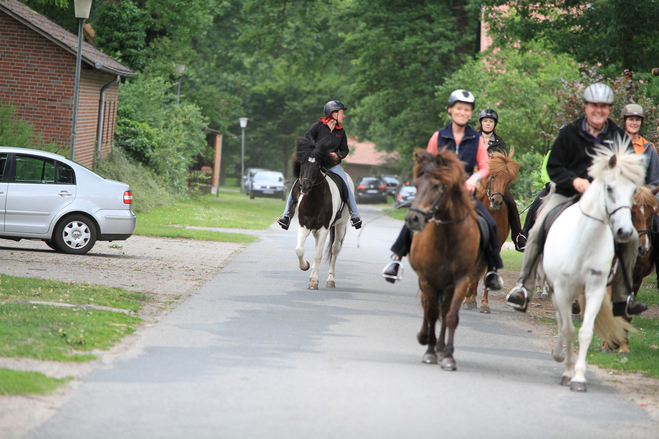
[(148, 193), (18, 133)]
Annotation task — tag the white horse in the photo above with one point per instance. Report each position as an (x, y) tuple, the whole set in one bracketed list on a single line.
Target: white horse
[(579, 254), (321, 211)]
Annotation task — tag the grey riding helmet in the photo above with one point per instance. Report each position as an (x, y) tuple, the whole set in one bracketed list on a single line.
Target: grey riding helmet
[(598, 94), (461, 96), (633, 110), (333, 106), (488, 112)]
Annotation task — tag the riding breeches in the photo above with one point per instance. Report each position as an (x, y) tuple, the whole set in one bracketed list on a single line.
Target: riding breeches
[(338, 170)]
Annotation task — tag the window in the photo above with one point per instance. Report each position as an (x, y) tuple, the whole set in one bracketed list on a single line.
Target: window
[(30, 169), (3, 162), (65, 174)]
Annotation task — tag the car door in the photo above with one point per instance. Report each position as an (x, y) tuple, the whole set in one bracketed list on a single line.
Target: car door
[(3, 190), (40, 189)]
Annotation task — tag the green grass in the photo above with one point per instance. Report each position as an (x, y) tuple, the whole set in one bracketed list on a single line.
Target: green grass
[(229, 210), (18, 383), (648, 292), (512, 260)]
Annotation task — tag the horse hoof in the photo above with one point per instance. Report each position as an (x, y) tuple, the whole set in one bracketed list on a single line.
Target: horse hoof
[(330, 284), (485, 309), (307, 266), (565, 381), (422, 339), (469, 305), (622, 354), (448, 363), (430, 359), (577, 387), (607, 350), (313, 285), (544, 296)]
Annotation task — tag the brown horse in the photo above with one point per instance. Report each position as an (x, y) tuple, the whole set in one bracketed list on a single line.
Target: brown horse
[(445, 248), (645, 205), (503, 171)]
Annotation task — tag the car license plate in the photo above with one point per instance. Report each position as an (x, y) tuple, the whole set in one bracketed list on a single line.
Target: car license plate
[(268, 192), (372, 191)]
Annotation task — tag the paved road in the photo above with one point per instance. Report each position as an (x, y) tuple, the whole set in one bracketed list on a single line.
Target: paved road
[(254, 354)]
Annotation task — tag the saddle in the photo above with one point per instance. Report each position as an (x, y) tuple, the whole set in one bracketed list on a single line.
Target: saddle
[(343, 189)]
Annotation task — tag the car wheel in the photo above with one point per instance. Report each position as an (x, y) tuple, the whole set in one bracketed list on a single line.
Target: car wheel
[(52, 245), (251, 196), (75, 234)]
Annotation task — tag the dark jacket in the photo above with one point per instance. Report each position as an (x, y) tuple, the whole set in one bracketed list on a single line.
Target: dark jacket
[(652, 164), (496, 144), (468, 148), (337, 139), (569, 157)]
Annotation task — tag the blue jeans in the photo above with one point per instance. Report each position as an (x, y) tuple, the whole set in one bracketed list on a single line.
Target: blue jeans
[(338, 170)]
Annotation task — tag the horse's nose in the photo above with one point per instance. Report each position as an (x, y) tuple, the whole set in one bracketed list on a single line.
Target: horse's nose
[(495, 203), (414, 221), (623, 234), (305, 187)]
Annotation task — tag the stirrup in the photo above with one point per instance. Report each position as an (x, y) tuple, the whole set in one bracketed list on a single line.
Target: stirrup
[(399, 272), (356, 222), (517, 306), (518, 247), (284, 221)]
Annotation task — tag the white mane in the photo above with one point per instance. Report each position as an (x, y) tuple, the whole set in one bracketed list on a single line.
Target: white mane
[(628, 165)]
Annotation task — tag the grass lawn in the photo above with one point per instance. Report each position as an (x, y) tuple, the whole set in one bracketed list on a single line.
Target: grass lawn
[(13, 382), (231, 210)]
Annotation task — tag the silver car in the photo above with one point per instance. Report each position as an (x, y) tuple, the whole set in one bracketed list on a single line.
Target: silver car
[(45, 196)]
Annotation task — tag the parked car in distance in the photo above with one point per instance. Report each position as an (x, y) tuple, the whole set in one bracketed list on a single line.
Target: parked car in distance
[(47, 197), (247, 178), (371, 189), (404, 195), (392, 183), (267, 184)]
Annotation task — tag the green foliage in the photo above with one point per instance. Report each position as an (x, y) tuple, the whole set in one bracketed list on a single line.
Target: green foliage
[(148, 191), (529, 181), (14, 382), (18, 133)]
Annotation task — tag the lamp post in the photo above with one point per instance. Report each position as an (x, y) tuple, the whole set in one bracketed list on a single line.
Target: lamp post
[(243, 125), (179, 69), (82, 10)]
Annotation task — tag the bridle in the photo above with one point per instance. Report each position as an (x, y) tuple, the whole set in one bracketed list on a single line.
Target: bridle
[(606, 209), (317, 181), (491, 195), (429, 215)]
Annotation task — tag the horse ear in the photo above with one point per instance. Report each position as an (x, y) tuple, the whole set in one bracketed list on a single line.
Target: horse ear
[(419, 155), (439, 159), (612, 161), (655, 190)]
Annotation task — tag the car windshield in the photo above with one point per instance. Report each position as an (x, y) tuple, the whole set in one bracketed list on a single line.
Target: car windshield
[(408, 190), (370, 181), (391, 180), (269, 177)]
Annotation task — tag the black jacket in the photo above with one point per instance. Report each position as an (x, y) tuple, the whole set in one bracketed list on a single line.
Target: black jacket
[(337, 139), (496, 144), (569, 157)]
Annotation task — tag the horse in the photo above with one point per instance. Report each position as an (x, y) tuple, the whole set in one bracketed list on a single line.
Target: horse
[(645, 205), (445, 251), (503, 171), (579, 253)]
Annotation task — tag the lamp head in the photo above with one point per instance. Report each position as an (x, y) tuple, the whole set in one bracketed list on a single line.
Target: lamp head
[(243, 122), (83, 8), (179, 68)]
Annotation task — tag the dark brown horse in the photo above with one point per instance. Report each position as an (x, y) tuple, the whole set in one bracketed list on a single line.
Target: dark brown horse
[(445, 249), (503, 171), (645, 205)]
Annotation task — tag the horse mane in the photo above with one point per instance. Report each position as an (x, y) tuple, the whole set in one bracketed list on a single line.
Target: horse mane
[(448, 169), (645, 197), (501, 163), (609, 164), (306, 149)]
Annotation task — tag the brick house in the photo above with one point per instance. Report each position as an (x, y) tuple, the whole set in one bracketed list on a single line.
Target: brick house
[(37, 76), (363, 159)]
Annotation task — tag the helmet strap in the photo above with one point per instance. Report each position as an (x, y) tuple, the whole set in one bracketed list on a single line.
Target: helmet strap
[(487, 132)]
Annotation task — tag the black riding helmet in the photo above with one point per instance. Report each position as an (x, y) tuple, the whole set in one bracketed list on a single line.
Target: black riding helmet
[(488, 112), (333, 106)]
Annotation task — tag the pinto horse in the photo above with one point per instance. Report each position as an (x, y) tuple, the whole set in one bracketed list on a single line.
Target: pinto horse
[(321, 211), (445, 252), (503, 171)]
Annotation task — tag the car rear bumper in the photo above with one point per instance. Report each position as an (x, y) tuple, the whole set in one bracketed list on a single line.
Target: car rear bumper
[(267, 193), (116, 223)]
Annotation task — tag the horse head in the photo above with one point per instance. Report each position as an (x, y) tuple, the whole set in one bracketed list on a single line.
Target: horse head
[(503, 170), (616, 173), (645, 205), (310, 161), (438, 180)]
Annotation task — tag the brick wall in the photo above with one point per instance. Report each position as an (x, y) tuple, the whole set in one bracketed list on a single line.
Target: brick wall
[(38, 77)]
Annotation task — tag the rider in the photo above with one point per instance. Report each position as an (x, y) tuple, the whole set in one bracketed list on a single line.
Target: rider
[(568, 163), (488, 120), (468, 144), (634, 118), (328, 128)]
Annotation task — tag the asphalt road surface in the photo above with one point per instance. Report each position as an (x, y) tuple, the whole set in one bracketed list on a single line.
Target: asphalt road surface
[(254, 354)]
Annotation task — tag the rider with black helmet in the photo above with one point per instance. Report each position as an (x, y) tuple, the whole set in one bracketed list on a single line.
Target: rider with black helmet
[(488, 120), (330, 129)]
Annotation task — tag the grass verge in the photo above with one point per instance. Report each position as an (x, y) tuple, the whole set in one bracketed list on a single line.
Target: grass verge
[(14, 382)]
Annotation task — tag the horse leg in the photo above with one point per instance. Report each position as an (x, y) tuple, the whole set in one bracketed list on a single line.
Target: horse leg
[(302, 234), (541, 286), (624, 346), (430, 315), (563, 304), (339, 234), (321, 237), (451, 321), (470, 299), (485, 302), (594, 296)]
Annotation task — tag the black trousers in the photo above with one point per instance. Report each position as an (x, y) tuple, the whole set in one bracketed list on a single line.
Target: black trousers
[(404, 241), (533, 210)]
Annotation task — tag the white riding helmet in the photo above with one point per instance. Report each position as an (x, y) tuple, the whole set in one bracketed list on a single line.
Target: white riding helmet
[(598, 94), (461, 96)]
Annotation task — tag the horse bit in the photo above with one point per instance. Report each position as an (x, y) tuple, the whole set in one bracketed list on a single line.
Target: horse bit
[(491, 195)]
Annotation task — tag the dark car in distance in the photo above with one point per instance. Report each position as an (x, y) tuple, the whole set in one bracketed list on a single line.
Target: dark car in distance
[(371, 189), (404, 195), (392, 183)]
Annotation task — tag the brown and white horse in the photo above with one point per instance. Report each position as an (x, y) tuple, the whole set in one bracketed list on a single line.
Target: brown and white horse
[(445, 251), (503, 171)]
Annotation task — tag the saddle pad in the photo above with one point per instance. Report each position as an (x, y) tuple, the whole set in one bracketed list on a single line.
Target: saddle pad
[(551, 217), (343, 189), (485, 231)]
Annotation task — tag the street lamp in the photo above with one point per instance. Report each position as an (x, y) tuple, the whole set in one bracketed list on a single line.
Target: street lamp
[(243, 125), (82, 10), (179, 69)]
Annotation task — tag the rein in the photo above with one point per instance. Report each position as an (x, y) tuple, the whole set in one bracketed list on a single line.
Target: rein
[(491, 195), (608, 214)]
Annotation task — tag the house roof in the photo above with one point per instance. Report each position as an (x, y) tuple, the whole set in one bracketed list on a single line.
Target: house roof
[(364, 153), (63, 38)]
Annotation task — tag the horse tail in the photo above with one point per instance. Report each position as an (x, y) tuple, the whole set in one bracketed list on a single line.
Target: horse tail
[(330, 244), (611, 329)]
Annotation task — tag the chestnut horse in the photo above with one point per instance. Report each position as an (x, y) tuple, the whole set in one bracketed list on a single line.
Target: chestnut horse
[(445, 252), (645, 205), (503, 171)]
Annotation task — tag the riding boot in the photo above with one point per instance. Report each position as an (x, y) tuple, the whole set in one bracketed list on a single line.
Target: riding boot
[(285, 220), (493, 281), (394, 270)]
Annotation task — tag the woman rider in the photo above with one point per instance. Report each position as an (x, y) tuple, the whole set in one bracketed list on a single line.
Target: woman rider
[(328, 129), (488, 120), (467, 143)]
